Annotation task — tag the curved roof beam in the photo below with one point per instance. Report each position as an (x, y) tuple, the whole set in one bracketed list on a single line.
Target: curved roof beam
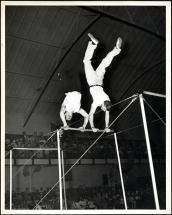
[(140, 76), (103, 13), (46, 82)]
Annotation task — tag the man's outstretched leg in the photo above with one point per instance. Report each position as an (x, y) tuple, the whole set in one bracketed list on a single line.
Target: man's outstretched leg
[(89, 70), (109, 57), (92, 45)]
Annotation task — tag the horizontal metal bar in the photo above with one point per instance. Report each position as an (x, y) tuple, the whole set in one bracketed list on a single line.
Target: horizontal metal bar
[(154, 94), (90, 130), (45, 149)]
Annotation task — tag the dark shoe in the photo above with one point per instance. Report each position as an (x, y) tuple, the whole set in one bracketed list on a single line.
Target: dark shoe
[(93, 39), (119, 43)]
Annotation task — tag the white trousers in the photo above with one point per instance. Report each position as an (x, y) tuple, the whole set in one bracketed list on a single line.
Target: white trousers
[(96, 76)]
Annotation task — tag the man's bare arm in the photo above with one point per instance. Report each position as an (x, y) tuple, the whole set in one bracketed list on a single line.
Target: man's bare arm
[(85, 115), (91, 118), (107, 121), (62, 115)]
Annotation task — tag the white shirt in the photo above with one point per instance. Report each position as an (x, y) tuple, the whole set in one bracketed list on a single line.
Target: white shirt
[(72, 101), (98, 95)]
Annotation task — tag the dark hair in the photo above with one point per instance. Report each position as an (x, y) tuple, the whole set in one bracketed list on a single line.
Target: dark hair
[(107, 104)]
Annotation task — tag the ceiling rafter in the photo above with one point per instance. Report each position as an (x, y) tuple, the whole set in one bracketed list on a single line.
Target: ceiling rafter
[(106, 14), (29, 75), (145, 71)]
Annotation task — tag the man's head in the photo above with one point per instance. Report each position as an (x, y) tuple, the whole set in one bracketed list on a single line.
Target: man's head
[(106, 105), (68, 115)]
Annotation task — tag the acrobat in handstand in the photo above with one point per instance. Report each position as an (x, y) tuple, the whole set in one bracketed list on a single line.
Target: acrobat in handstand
[(95, 79)]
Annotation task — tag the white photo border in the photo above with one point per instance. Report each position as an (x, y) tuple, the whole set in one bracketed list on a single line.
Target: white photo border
[(167, 4)]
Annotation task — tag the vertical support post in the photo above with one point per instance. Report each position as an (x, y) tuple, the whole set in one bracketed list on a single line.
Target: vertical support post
[(30, 178), (64, 186), (149, 152), (120, 170), (11, 178), (60, 171)]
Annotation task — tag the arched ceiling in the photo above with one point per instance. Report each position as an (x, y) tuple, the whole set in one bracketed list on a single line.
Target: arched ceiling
[(45, 46)]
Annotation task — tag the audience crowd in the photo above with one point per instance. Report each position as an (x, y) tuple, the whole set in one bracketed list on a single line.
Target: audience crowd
[(105, 197), (74, 147), (82, 198)]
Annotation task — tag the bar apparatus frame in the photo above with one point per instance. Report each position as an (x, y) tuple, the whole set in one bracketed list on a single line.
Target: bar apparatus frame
[(61, 162)]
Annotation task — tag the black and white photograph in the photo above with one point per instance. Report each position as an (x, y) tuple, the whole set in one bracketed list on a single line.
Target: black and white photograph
[(85, 107)]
